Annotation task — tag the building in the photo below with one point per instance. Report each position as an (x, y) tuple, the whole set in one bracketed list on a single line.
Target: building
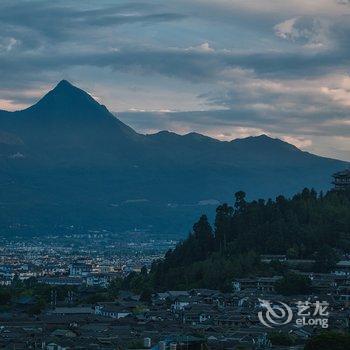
[(77, 310), (61, 281), (342, 268), (97, 280), (112, 310), (342, 180), (79, 269), (262, 284)]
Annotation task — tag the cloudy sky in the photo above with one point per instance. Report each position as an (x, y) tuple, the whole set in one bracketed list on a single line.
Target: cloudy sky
[(225, 68)]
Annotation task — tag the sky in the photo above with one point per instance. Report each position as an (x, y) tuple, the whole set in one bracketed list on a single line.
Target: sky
[(224, 68)]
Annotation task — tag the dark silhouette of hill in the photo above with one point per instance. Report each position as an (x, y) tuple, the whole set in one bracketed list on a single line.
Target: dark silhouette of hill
[(67, 160)]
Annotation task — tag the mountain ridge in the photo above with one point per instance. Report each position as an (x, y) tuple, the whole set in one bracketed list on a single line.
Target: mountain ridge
[(65, 89), (68, 154)]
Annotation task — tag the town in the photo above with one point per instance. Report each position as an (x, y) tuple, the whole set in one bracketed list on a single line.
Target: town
[(73, 316), (76, 291), (93, 259)]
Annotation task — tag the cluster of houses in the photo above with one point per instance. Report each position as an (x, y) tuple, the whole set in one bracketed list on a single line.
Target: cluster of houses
[(197, 319), (75, 274), (82, 274), (9, 271), (174, 320)]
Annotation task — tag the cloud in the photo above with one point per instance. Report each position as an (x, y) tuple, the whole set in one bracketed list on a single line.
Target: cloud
[(63, 25), (199, 65), (297, 141), (39, 25), (310, 32), (205, 47), (273, 7), (7, 44), (240, 67)]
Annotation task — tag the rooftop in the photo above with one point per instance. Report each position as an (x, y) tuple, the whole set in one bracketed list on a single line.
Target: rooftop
[(343, 173)]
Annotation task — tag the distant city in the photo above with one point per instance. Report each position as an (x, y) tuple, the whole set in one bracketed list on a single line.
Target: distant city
[(73, 306), (93, 259)]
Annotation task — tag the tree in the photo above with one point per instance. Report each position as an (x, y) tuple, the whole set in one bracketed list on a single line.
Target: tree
[(17, 283), (223, 226), (146, 296), (240, 203), (114, 287), (292, 284), (281, 339), (296, 226), (202, 230), (203, 234), (5, 296), (293, 252), (325, 259), (37, 307), (329, 340), (31, 282), (144, 271)]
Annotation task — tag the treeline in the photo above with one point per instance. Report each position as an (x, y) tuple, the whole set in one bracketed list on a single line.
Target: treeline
[(306, 226), (32, 297)]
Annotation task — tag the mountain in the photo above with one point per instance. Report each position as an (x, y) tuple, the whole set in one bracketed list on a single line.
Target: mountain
[(68, 125), (67, 161)]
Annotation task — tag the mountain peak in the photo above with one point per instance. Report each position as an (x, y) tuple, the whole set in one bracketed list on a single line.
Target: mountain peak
[(263, 137), (64, 84), (264, 142), (259, 138), (64, 89), (67, 98), (199, 137), (69, 106)]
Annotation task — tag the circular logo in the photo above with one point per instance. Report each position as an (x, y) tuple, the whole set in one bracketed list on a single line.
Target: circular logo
[(273, 316)]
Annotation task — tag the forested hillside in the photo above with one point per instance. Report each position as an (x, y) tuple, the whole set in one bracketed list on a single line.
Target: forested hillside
[(308, 226)]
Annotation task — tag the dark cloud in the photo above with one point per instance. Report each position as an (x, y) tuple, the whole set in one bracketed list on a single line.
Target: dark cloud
[(186, 64), (60, 20), (282, 67)]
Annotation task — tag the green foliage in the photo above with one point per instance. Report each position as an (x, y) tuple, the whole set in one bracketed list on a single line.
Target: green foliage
[(326, 259), (114, 287), (281, 339), (37, 307), (329, 340), (292, 284), (40, 295), (135, 344), (5, 296), (97, 297), (138, 283), (146, 296), (305, 226), (17, 283), (215, 272)]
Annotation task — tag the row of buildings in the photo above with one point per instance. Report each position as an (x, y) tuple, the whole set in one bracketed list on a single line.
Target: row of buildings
[(174, 320)]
